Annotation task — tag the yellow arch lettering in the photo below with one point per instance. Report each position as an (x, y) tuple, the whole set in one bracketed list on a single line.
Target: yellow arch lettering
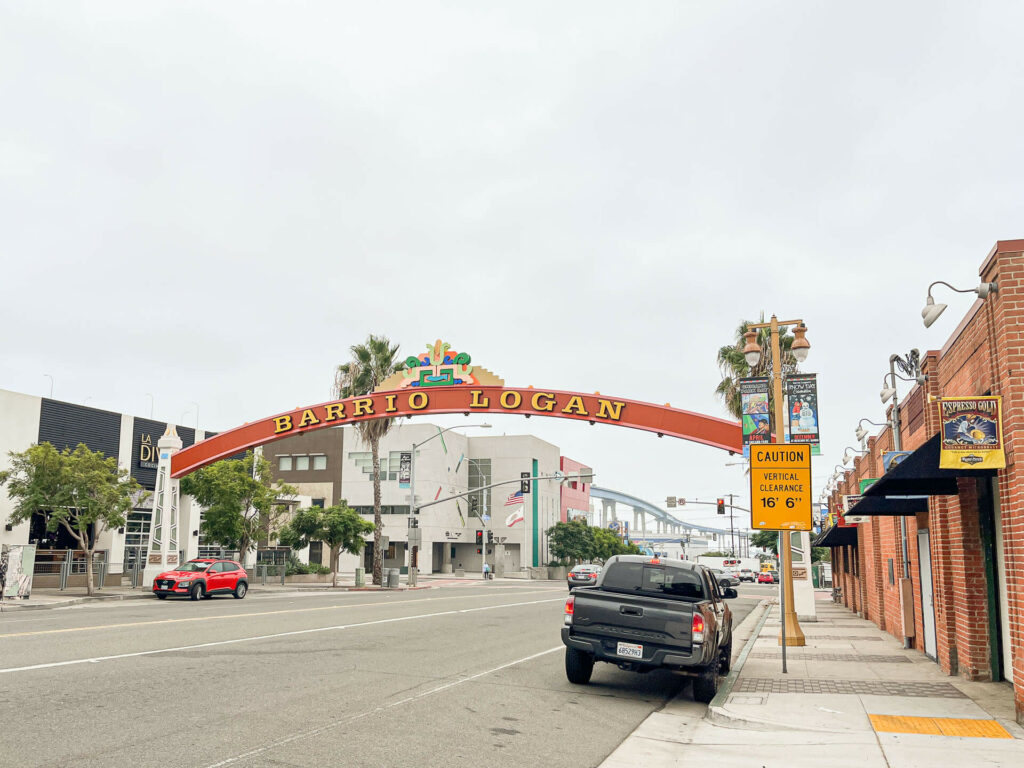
[(390, 408), (334, 412), (418, 401), (512, 395), (282, 424), (609, 409), (363, 405), (479, 401), (308, 418), (575, 405), (548, 405)]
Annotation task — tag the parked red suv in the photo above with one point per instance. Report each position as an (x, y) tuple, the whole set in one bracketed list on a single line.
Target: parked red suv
[(203, 577)]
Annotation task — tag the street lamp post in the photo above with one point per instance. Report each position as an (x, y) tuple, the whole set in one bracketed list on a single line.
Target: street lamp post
[(791, 633)]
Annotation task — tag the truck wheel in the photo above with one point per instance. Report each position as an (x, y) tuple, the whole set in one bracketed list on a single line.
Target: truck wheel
[(706, 685), (725, 663), (578, 666)]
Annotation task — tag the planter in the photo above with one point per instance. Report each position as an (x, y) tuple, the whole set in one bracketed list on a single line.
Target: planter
[(308, 578), (557, 572)]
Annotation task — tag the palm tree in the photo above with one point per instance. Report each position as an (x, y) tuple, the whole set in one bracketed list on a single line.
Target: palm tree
[(372, 362), (734, 367)]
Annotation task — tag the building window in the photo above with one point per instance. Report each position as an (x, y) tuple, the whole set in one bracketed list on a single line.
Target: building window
[(480, 476), (316, 552), (388, 465), (284, 463), (385, 509), (318, 503), (301, 463), (319, 462)]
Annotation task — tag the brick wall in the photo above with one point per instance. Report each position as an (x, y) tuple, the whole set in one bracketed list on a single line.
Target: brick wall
[(985, 355)]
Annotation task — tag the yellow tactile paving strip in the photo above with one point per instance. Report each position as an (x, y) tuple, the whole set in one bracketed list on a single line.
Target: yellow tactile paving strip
[(939, 726)]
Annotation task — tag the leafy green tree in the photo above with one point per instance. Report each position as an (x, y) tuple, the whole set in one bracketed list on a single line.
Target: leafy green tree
[(80, 490), (241, 499), (821, 554), (765, 540), (733, 367), (372, 362), (717, 553), (607, 544), (339, 527), (571, 542)]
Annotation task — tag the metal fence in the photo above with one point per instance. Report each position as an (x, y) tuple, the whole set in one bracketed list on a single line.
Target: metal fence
[(66, 564), (263, 573)]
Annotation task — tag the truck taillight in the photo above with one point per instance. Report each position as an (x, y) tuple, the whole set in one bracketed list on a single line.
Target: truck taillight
[(697, 632), (570, 605)]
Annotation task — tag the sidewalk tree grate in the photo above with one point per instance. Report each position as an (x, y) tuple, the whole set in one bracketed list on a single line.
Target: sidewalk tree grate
[(825, 685), (865, 657), (939, 726)]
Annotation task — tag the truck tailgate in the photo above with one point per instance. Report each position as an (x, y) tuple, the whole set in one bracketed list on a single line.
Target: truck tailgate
[(633, 618)]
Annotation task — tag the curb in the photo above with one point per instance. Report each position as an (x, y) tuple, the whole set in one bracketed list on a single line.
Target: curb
[(716, 711)]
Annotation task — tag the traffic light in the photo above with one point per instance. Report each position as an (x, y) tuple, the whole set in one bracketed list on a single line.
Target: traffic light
[(670, 502), (721, 506), (473, 503), (524, 482), (479, 538), (490, 537)]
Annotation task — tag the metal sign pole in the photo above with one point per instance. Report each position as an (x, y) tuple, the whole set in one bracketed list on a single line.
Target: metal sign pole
[(782, 603)]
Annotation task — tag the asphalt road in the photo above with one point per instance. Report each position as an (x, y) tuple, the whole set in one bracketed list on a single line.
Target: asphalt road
[(452, 676)]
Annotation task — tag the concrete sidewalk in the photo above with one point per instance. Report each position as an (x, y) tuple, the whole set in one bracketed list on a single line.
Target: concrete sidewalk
[(852, 697)]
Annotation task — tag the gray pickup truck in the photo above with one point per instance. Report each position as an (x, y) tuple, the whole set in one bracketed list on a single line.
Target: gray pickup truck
[(651, 613)]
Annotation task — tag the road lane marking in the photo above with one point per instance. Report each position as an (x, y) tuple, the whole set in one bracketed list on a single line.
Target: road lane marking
[(382, 708), (252, 638), (223, 617)]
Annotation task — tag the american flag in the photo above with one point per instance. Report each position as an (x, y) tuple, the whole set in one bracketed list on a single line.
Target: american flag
[(514, 498)]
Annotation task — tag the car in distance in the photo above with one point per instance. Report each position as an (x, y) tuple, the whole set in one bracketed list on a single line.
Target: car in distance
[(765, 577), (203, 577), (725, 579), (746, 574), (775, 576), (651, 613), (583, 576)]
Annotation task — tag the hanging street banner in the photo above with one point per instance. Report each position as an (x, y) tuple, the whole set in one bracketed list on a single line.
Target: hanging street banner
[(972, 433), (780, 487), (891, 459), (802, 407), (754, 404), (404, 469)]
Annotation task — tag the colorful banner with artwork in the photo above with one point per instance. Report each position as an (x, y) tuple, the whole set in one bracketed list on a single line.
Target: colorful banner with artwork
[(849, 500), (971, 433), (754, 402), (404, 469), (802, 407)]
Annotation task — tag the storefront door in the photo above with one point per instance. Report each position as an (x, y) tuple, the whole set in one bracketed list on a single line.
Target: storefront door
[(1004, 608), (924, 558)]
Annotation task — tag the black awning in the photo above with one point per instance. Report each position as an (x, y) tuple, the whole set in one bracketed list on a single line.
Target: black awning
[(837, 536), (920, 475), (892, 506)]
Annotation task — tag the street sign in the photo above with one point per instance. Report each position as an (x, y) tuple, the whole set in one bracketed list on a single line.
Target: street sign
[(780, 487)]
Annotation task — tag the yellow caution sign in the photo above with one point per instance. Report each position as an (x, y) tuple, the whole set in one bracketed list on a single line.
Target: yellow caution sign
[(780, 487)]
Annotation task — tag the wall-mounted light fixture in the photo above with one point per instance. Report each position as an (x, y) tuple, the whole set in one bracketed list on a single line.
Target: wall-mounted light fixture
[(931, 310)]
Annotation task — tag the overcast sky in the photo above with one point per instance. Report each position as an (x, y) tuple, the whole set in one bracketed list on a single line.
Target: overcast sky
[(211, 202)]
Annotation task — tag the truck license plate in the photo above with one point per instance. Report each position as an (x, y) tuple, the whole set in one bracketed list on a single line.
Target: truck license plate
[(632, 650)]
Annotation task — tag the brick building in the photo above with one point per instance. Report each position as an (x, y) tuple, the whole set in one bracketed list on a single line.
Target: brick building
[(956, 590)]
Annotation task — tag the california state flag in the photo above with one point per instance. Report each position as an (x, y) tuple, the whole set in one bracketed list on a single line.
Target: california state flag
[(515, 517)]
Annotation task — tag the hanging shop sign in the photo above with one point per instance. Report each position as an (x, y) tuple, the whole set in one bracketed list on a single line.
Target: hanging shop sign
[(972, 433), (846, 520), (891, 459), (754, 403), (780, 487), (802, 407)]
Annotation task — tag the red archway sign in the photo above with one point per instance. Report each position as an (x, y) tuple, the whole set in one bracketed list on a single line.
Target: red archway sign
[(467, 399)]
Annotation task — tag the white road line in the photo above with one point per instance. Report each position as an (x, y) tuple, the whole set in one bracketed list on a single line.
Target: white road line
[(384, 707), (227, 616), (96, 659)]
